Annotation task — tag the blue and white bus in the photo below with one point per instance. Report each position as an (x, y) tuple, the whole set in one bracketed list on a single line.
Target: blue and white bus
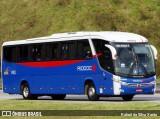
[(99, 64)]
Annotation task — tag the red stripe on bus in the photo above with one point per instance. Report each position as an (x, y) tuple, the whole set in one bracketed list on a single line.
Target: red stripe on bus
[(97, 55), (50, 63)]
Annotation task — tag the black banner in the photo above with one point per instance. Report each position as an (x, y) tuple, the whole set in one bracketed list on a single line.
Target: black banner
[(80, 113)]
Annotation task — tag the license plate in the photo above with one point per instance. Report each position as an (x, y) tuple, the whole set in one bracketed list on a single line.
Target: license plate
[(139, 90)]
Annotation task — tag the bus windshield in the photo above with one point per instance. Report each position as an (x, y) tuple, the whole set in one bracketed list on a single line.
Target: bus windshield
[(134, 60)]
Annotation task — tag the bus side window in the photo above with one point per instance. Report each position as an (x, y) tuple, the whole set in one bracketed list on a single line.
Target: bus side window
[(55, 51), (68, 50), (84, 50), (36, 52), (25, 53), (79, 50), (48, 51), (19, 53), (10, 53), (22, 53), (71, 50), (52, 51), (105, 59), (64, 51), (107, 62)]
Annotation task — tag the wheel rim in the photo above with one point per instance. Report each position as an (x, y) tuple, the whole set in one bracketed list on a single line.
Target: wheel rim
[(91, 91), (25, 91)]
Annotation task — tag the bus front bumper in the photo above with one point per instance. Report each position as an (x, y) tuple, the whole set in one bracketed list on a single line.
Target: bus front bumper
[(133, 89)]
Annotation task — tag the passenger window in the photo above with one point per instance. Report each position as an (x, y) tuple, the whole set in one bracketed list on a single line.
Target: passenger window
[(10, 53), (105, 58), (36, 52), (84, 50), (25, 53), (19, 53), (64, 51), (52, 51), (22, 53), (68, 50), (72, 51)]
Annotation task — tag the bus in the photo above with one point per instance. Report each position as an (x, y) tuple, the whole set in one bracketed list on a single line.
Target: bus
[(98, 64)]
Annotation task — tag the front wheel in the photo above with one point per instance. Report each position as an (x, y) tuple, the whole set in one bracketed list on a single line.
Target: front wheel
[(127, 97), (26, 93), (91, 93)]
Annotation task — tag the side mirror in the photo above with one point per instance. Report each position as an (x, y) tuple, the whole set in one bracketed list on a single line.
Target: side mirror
[(155, 52), (113, 51)]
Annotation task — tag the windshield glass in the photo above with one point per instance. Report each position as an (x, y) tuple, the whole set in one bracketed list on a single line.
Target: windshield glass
[(135, 60)]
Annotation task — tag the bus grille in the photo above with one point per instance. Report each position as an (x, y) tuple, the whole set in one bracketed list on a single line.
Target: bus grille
[(139, 85)]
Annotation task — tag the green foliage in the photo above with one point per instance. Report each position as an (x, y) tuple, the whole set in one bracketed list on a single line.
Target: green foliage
[(22, 19), (158, 80)]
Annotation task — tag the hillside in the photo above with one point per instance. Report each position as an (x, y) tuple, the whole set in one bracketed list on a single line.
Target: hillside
[(21, 19)]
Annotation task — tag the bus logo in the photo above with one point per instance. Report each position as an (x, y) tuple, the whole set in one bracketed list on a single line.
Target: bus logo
[(93, 68), (138, 85), (87, 68), (6, 72)]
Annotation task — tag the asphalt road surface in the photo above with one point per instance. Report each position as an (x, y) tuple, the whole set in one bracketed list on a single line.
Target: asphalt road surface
[(83, 98)]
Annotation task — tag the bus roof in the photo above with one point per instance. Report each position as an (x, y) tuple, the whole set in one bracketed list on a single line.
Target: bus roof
[(111, 36)]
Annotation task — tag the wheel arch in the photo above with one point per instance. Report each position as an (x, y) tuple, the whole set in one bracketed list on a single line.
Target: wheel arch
[(86, 84), (21, 85)]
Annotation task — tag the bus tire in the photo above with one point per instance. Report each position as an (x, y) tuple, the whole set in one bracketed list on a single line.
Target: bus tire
[(127, 97), (91, 93), (26, 93), (58, 96)]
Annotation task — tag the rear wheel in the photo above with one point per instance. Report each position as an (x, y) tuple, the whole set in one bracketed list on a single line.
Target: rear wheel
[(91, 93), (58, 96), (127, 97), (26, 93)]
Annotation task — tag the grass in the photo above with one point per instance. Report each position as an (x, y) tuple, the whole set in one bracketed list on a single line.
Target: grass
[(44, 105), (51, 105)]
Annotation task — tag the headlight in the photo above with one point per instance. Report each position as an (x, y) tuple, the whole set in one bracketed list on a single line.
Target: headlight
[(123, 83), (153, 82), (116, 80)]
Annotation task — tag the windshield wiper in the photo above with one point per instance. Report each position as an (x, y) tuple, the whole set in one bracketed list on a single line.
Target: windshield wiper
[(135, 62), (147, 74)]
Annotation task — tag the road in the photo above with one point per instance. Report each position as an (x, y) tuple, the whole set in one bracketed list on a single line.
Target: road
[(83, 98)]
